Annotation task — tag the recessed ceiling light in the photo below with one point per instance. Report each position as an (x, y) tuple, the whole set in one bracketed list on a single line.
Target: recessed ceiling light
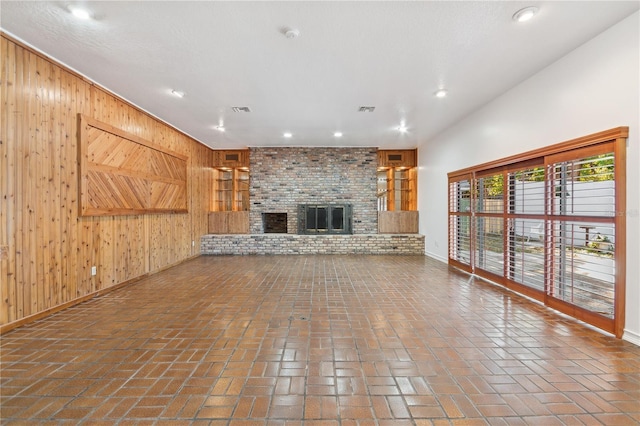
[(525, 14), (287, 135), (403, 129), (337, 134), (220, 128), (291, 33), (441, 93), (80, 13), (177, 93)]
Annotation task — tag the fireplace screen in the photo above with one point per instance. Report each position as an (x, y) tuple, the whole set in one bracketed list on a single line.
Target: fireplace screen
[(324, 219)]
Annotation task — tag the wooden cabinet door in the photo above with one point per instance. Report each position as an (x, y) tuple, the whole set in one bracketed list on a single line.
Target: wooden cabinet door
[(397, 158), (231, 158)]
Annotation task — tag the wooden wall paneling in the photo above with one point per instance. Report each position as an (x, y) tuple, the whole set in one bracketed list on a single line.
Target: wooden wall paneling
[(186, 238), (119, 249), (8, 129), (62, 177), (46, 249), (157, 235), (56, 191), (23, 192), (57, 202), (30, 171), (124, 238), (79, 244), (98, 105), (193, 188), (17, 116), (175, 239), (95, 254), (206, 187), (20, 142), (146, 224), (76, 99), (108, 250), (168, 247), (39, 120), (83, 230), (4, 189), (44, 180), (171, 240), (138, 259)]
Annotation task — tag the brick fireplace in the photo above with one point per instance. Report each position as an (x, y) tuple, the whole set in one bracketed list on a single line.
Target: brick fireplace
[(282, 179)]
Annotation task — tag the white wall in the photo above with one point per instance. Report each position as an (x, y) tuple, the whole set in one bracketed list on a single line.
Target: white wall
[(596, 87)]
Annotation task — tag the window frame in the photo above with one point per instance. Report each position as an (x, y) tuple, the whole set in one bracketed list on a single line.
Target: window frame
[(612, 140)]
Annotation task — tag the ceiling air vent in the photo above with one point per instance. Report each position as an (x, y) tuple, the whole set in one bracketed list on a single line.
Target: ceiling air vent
[(366, 109), (240, 109)]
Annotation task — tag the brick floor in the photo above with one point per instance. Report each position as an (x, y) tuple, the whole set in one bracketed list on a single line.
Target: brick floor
[(315, 340)]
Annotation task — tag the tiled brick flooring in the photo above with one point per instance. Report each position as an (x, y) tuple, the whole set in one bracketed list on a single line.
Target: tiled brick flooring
[(315, 340)]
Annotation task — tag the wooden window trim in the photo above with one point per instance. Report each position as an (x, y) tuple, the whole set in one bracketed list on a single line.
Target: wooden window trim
[(593, 139)]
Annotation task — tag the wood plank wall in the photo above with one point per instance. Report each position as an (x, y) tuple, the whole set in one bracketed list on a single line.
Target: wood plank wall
[(46, 249)]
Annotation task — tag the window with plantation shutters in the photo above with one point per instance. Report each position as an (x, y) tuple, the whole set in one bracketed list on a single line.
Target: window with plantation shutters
[(460, 222), (526, 227), (581, 234), (488, 221), (548, 224)]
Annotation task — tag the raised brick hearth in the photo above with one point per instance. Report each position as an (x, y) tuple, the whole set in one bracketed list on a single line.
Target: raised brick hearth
[(313, 244)]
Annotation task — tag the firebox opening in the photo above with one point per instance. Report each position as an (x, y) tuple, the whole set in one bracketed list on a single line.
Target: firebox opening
[(274, 223), (324, 219)]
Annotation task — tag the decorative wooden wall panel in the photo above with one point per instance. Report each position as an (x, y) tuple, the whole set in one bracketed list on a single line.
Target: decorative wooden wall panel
[(121, 173), (46, 248)]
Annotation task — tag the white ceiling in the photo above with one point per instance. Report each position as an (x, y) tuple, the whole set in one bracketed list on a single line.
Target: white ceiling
[(389, 54)]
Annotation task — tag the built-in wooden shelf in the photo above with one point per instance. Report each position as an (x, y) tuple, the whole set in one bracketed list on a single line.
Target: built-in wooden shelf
[(397, 180)]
